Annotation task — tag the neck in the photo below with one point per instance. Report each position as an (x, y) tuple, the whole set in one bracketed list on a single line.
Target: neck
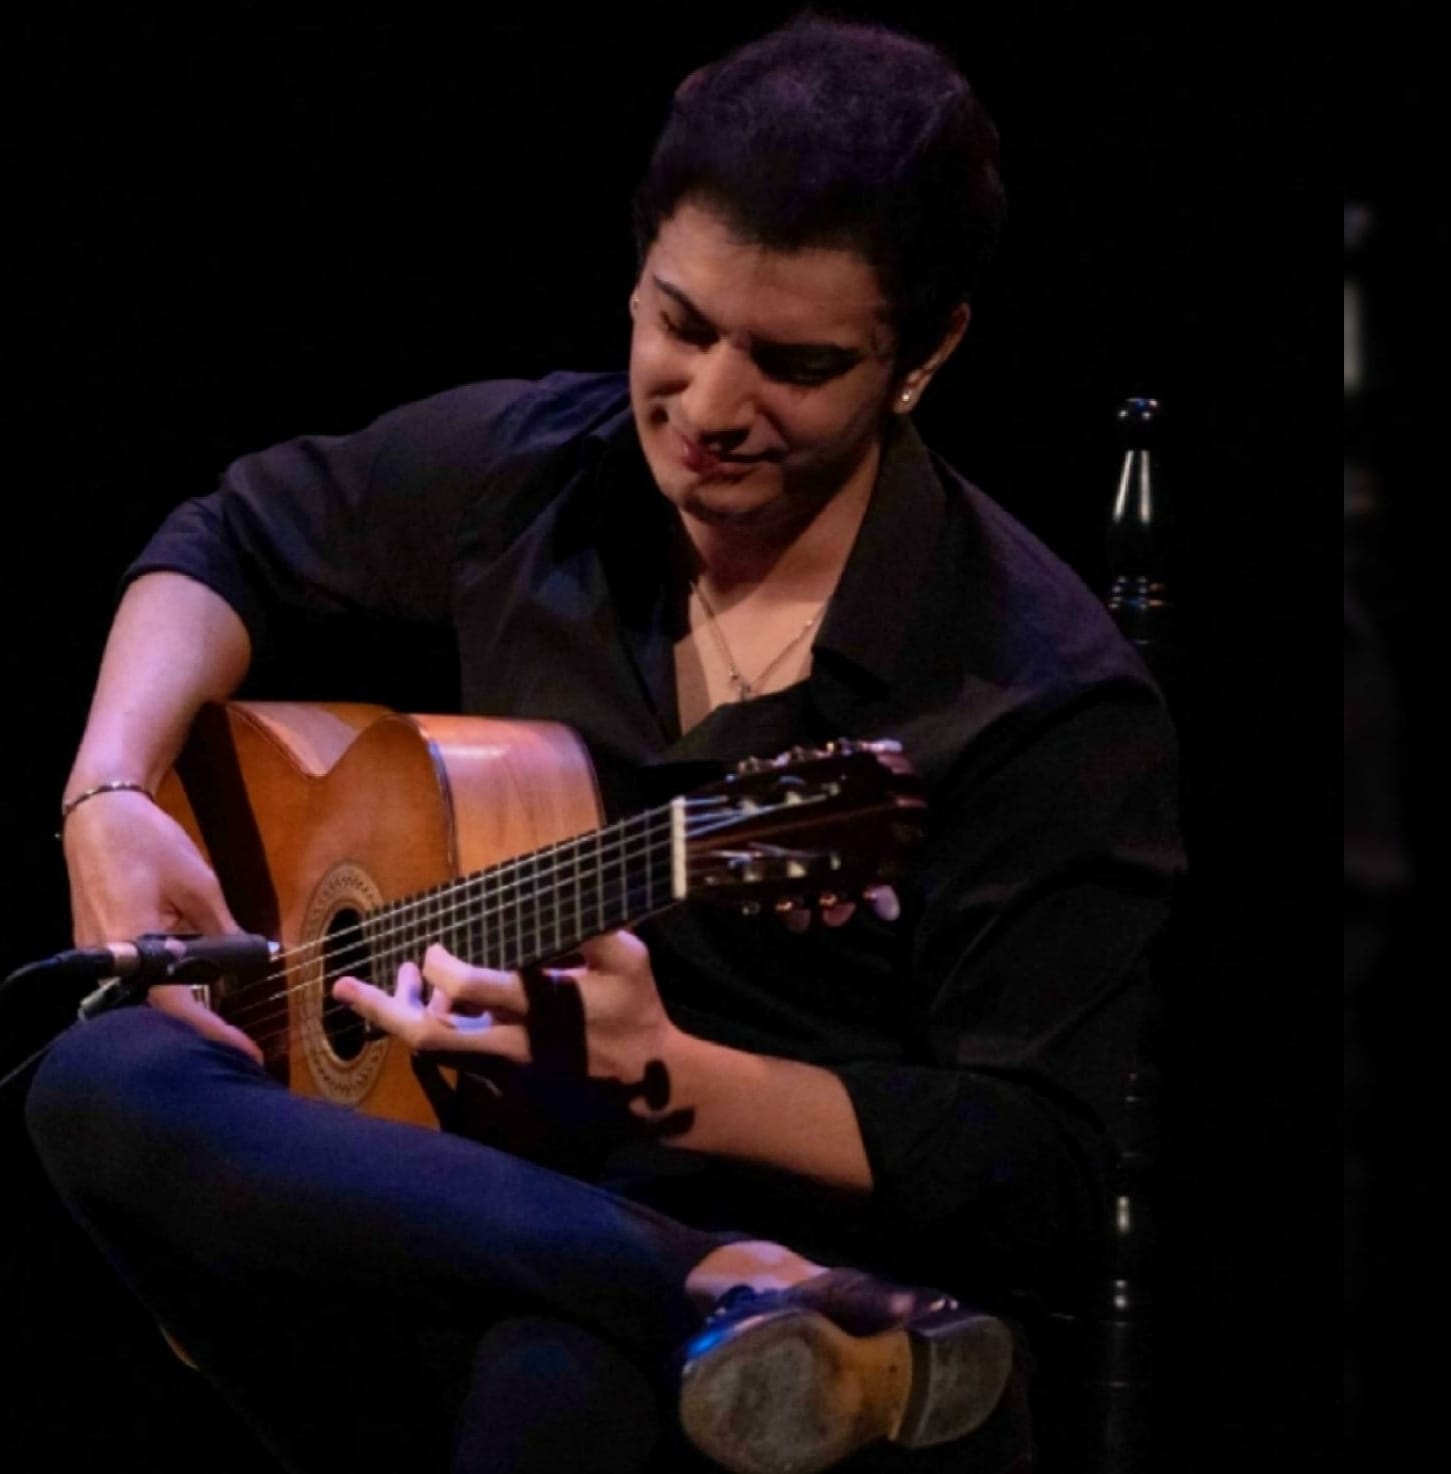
[(797, 557)]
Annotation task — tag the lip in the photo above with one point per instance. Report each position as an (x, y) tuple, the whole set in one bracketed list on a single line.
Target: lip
[(703, 462)]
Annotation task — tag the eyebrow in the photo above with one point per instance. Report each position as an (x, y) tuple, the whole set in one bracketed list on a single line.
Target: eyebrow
[(846, 357)]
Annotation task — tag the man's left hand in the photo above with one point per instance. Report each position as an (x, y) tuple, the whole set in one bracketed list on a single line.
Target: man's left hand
[(610, 1006)]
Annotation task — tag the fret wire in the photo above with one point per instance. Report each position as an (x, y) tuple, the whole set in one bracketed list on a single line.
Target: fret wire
[(578, 913), (477, 935), (558, 937), (644, 859), (417, 920), (518, 903), (519, 951), (633, 897), (376, 958), (564, 855), (429, 916), (418, 913)]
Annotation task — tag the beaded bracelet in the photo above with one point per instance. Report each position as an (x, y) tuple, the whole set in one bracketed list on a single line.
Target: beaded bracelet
[(117, 785)]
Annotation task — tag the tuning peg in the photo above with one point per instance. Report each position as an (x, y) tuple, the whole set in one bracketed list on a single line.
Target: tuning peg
[(752, 765)]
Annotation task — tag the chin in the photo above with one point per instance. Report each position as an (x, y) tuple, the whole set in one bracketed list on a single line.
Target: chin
[(701, 503)]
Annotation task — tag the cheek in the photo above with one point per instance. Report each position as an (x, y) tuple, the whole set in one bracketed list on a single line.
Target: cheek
[(653, 362), (828, 428)]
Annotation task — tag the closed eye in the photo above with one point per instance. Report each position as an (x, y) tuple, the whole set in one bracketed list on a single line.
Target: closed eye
[(687, 330), (804, 366)]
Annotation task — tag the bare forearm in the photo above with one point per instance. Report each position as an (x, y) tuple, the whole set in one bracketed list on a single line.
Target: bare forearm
[(173, 646), (775, 1112)]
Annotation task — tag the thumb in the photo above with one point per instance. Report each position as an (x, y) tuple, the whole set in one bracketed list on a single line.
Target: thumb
[(177, 1000), (203, 906), (616, 951)]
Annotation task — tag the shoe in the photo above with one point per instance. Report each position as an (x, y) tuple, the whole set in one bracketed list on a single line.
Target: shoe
[(791, 1381)]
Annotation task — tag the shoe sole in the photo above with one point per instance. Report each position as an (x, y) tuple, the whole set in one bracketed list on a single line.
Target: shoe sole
[(792, 1393)]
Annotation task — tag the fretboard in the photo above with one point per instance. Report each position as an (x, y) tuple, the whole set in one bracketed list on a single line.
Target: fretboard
[(541, 905)]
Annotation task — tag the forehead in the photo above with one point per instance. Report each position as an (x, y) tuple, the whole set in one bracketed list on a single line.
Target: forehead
[(819, 294)]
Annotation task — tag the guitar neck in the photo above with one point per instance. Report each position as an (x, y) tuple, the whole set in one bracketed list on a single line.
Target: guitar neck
[(542, 905)]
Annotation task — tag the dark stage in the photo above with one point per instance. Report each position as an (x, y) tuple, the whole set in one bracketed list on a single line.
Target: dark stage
[(235, 224)]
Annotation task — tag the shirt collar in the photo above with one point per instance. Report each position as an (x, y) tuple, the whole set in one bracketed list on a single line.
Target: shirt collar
[(890, 564), (887, 571)]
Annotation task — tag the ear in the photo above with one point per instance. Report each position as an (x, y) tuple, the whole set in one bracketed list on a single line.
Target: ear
[(913, 385)]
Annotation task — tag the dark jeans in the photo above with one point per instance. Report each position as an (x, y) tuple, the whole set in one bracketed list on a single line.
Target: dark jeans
[(378, 1297), (368, 1295)]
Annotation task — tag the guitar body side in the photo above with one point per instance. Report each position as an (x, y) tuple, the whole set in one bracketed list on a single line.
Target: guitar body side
[(312, 813)]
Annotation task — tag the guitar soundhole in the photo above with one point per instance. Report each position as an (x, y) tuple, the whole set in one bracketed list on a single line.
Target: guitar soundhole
[(345, 953)]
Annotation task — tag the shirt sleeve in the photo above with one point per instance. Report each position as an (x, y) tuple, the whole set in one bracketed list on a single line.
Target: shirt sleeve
[(1047, 875), (362, 523)]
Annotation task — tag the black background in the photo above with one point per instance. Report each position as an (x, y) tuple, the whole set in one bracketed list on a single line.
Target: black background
[(239, 222)]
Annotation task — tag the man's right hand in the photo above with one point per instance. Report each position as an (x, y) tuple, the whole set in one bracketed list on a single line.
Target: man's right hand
[(134, 869)]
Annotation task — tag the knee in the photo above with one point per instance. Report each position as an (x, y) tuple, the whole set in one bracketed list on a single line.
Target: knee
[(103, 1088)]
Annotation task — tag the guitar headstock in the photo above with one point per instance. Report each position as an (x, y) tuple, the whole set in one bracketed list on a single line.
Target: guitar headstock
[(823, 821)]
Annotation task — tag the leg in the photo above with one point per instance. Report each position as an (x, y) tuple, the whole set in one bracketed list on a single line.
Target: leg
[(241, 1214), (547, 1396), (294, 1248), (142, 1122)]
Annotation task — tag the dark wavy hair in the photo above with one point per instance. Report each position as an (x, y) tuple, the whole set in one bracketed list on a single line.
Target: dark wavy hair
[(834, 133)]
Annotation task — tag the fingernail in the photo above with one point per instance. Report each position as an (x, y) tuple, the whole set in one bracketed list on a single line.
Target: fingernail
[(886, 905)]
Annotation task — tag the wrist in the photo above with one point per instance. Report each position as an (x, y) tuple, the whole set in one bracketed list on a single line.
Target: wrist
[(75, 797), (127, 762)]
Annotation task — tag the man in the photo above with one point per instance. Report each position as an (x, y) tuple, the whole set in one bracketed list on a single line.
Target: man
[(742, 548)]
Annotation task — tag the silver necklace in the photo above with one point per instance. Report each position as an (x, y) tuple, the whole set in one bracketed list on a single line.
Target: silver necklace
[(746, 689)]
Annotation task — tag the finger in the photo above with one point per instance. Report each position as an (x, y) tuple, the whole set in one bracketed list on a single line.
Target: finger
[(200, 900), (429, 1033), (480, 1036), (178, 1001), (839, 914), (477, 987), (408, 987), (394, 1013)]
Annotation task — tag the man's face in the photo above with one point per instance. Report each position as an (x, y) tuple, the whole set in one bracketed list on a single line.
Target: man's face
[(759, 378)]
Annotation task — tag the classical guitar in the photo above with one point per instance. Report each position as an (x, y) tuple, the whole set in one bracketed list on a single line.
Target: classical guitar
[(355, 836)]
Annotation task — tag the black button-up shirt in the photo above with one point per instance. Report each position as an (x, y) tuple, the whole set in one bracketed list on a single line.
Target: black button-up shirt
[(984, 1038)]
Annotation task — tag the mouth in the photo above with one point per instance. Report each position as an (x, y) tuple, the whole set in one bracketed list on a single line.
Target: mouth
[(703, 462)]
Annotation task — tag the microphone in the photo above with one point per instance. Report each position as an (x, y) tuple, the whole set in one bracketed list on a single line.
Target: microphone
[(124, 972), (128, 969), (167, 957)]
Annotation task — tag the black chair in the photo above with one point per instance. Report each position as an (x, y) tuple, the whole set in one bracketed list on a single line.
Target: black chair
[(1093, 1404)]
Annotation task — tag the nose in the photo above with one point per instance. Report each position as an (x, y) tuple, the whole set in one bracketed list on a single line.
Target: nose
[(718, 404)]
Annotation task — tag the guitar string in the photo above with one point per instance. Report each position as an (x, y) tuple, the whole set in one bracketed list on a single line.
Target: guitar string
[(264, 1036), (411, 909), (469, 901), (634, 896), (484, 896), (474, 889)]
